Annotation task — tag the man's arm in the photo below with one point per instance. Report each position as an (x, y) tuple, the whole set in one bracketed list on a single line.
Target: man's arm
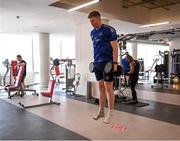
[(114, 45)]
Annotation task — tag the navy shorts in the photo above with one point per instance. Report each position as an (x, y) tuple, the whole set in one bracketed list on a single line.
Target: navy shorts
[(99, 72)]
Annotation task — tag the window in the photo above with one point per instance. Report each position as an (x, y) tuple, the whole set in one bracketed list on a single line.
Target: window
[(11, 45), (149, 52), (62, 46)]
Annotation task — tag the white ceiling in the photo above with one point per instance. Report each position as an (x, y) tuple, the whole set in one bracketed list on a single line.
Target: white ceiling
[(127, 27), (37, 16)]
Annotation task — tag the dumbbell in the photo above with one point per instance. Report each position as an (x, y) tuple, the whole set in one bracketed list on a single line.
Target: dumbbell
[(91, 67), (109, 69)]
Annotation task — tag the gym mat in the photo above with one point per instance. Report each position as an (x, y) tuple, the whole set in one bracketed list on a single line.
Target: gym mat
[(156, 110)]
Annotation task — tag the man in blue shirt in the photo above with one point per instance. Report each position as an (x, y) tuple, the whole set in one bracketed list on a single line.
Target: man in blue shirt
[(125, 65), (105, 46)]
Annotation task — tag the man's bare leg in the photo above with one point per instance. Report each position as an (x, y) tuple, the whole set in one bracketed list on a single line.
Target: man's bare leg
[(111, 99), (102, 100)]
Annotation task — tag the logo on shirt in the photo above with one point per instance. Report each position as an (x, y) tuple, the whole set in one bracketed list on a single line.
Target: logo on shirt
[(112, 30), (100, 34)]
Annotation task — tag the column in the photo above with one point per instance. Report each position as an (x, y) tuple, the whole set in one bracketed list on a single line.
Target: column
[(134, 50), (44, 59)]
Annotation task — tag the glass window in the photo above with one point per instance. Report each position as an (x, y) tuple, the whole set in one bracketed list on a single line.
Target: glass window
[(149, 52), (62, 46), (12, 44)]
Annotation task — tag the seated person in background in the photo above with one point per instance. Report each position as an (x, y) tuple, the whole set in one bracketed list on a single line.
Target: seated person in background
[(133, 77), (21, 61)]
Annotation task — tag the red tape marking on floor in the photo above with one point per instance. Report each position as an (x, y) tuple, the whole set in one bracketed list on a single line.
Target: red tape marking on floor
[(119, 127)]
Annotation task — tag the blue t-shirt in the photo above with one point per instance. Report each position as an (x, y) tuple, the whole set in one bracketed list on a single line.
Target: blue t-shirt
[(125, 64), (101, 39)]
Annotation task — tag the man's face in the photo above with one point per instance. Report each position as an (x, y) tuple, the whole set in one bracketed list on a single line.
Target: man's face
[(18, 59), (95, 22)]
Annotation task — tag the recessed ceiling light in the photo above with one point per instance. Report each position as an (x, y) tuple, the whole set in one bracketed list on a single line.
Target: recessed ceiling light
[(83, 5), (155, 24)]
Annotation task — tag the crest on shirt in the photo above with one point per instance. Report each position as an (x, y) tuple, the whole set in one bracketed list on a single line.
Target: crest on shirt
[(112, 30), (100, 34)]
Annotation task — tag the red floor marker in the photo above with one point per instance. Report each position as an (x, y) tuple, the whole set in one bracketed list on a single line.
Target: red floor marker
[(63, 109), (119, 127)]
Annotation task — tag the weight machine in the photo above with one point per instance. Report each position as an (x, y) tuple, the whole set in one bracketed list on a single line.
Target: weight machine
[(162, 71), (175, 61), (175, 67), (122, 40), (71, 78)]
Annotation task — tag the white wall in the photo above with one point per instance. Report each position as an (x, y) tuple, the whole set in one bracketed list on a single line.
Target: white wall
[(84, 55)]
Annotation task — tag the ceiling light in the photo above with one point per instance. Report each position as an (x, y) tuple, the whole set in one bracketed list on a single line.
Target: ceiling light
[(155, 24), (84, 5)]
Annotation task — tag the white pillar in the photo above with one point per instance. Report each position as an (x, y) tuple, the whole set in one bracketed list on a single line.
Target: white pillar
[(134, 50), (44, 59)]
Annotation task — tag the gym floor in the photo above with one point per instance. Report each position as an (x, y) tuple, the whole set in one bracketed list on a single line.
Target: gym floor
[(72, 120)]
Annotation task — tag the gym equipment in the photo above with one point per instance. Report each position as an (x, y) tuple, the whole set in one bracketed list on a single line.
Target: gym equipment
[(141, 69), (122, 39), (18, 86), (48, 94), (126, 37), (55, 70), (56, 62), (162, 71), (165, 56), (91, 67), (175, 54), (76, 82), (6, 63), (109, 69), (70, 76), (69, 73), (14, 68), (11, 68), (159, 77)]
